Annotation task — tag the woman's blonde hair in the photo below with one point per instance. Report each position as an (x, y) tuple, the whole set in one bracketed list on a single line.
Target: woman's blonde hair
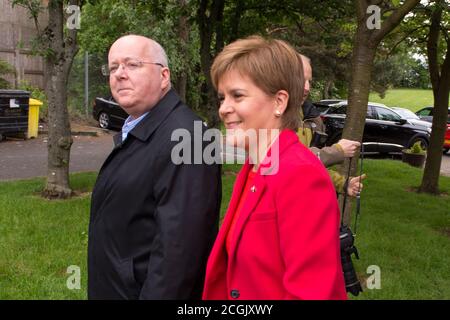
[(272, 65)]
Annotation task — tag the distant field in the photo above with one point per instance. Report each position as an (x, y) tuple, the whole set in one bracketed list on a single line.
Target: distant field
[(413, 99)]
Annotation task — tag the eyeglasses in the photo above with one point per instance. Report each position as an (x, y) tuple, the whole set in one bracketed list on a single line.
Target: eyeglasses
[(129, 65)]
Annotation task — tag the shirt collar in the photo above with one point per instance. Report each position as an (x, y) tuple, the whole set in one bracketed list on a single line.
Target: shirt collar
[(155, 116)]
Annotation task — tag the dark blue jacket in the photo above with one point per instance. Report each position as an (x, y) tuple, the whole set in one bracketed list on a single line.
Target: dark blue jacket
[(152, 222)]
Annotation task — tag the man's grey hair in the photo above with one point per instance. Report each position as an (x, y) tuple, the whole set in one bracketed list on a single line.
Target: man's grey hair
[(158, 53)]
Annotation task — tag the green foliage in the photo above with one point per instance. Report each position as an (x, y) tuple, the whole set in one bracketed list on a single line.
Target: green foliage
[(5, 68), (98, 84), (401, 70), (37, 94), (416, 148), (34, 7), (323, 32), (412, 99)]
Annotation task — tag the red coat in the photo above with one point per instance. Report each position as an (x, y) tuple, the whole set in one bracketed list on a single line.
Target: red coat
[(285, 243)]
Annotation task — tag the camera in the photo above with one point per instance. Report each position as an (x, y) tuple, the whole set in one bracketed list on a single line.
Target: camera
[(318, 139), (347, 240)]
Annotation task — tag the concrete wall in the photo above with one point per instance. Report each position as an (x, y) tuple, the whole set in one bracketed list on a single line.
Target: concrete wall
[(17, 30)]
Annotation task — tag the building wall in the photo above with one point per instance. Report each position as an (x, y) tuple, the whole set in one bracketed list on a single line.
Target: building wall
[(17, 30)]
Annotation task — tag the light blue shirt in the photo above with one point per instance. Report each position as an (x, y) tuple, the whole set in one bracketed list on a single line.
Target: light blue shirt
[(130, 124)]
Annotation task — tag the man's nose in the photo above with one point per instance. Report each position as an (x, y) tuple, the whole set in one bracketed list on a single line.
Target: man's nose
[(121, 72), (306, 89)]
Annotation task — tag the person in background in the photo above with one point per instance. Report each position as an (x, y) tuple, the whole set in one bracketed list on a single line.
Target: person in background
[(313, 125)]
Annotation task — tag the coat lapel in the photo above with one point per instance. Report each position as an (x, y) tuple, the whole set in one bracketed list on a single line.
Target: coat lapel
[(269, 166), (253, 196), (217, 262)]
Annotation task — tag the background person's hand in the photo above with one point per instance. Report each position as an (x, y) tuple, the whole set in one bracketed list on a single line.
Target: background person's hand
[(355, 185), (349, 147)]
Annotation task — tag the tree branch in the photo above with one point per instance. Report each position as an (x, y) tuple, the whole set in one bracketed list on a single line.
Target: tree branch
[(34, 8), (403, 39), (361, 7), (393, 20)]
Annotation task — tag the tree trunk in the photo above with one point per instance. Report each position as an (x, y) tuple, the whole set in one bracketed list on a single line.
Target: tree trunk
[(235, 20), (362, 62), (183, 35), (59, 137), (62, 49), (326, 94), (365, 44), (441, 88), (206, 26)]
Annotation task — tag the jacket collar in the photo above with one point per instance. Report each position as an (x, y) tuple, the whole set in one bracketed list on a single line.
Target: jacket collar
[(153, 119)]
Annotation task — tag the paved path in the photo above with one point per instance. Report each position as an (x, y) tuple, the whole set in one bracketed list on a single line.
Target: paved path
[(445, 165), (21, 159)]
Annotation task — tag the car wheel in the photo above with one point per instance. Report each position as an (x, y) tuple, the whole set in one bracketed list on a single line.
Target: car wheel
[(103, 120), (446, 150), (423, 143)]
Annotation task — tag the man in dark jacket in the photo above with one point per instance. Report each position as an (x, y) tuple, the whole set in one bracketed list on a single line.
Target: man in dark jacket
[(153, 222)]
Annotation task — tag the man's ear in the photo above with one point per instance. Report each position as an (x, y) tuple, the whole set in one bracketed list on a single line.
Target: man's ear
[(281, 99), (165, 77)]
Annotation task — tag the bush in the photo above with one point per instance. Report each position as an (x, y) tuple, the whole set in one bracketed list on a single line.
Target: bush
[(38, 94), (416, 148), (5, 68)]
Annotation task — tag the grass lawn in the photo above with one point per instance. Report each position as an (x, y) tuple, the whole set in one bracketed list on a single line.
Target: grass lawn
[(404, 233), (413, 99)]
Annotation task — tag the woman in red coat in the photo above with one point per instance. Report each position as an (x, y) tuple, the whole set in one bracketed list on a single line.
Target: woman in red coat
[(280, 236)]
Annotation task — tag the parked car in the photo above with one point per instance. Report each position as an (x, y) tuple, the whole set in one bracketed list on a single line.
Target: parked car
[(324, 105), (426, 114), (385, 130), (108, 113), (411, 117)]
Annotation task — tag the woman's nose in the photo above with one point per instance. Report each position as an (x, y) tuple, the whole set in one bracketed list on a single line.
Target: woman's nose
[(225, 108)]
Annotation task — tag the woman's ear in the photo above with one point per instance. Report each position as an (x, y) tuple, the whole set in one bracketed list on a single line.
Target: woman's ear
[(281, 99)]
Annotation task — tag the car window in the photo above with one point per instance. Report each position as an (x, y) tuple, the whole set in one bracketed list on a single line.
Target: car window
[(343, 110), (387, 115), (424, 112), (406, 114), (321, 107), (340, 110), (370, 113)]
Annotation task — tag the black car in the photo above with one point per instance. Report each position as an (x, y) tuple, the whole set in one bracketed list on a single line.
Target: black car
[(426, 114), (385, 130), (324, 105), (108, 113)]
